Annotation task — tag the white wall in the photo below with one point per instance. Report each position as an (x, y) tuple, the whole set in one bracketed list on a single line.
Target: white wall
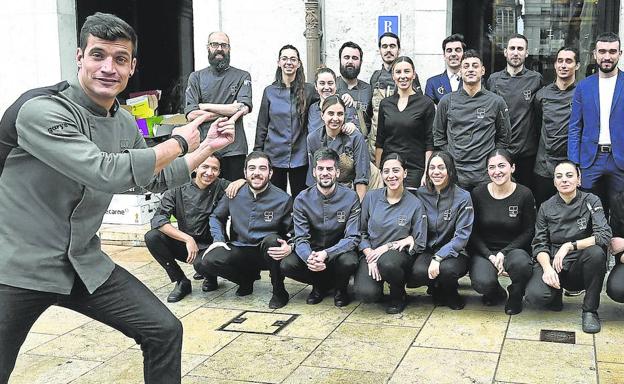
[(38, 40)]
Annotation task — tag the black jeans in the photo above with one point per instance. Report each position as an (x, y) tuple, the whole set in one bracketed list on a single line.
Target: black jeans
[(241, 265), (336, 275), (586, 272), (451, 270), (524, 171), (122, 302), (484, 276), (544, 189), (232, 167), (394, 267), (296, 177), (615, 282), (166, 251)]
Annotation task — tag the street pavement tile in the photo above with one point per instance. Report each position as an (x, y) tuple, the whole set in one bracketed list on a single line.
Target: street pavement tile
[(316, 375), (94, 341), (464, 330), (111, 250), (528, 324), (33, 369), (33, 340), (610, 373), (610, 310), (200, 330), (261, 358), (474, 300), (259, 322), (257, 301), (152, 275), (376, 348), (315, 322), (58, 320), (188, 379), (445, 366), (414, 315), (524, 361), (194, 300), (610, 343)]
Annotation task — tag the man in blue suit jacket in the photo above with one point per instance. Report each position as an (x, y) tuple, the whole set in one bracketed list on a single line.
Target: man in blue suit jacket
[(449, 80), (596, 130)]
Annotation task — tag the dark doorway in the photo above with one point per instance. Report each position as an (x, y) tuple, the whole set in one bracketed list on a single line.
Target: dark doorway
[(547, 24), (165, 55)]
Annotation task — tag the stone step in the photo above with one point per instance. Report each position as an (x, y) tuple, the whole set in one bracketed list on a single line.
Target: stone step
[(124, 235)]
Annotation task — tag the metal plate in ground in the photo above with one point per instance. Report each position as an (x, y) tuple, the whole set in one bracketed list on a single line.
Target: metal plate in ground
[(265, 323), (553, 336)]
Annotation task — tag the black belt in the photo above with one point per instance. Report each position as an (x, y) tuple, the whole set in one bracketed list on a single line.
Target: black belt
[(604, 148)]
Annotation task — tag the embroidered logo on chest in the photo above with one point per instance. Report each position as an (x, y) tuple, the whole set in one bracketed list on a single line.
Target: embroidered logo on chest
[(582, 223), (513, 211), (268, 216), (527, 94), (480, 113), (342, 216), (402, 220), (233, 89), (441, 90), (446, 215), (124, 144)]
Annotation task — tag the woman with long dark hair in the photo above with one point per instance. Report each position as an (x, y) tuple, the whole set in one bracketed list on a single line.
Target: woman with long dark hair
[(282, 121)]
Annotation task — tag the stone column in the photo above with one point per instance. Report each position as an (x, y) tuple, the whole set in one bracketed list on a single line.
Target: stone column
[(313, 37)]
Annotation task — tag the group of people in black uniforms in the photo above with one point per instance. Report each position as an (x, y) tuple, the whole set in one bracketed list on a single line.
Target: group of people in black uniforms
[(392, 185)]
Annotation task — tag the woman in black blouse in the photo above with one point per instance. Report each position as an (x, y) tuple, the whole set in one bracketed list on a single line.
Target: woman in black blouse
[(501, 236), (405, 124)]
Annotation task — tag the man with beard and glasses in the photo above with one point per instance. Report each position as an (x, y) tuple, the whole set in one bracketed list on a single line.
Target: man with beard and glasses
[(327, 224), (518, 86), (261, 220), (595, 134), (221, 90), (448, 81), (355, 92)]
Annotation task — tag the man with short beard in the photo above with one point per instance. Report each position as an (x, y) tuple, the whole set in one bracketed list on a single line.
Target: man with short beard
[(221, 90), (596, 134), (261, 220), (518, 85), (355, 92), (327, 223)]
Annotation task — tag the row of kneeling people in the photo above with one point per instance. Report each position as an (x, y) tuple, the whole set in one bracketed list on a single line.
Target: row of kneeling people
[(430, 236)]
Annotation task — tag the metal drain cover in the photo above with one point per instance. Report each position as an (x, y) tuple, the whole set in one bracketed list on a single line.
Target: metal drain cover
[(553, 336), (265, 323)]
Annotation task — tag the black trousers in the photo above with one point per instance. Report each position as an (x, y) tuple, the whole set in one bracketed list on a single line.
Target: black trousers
[(484, 276), (296, 177), (414, 176), (122, 302), (524, 171), (166, 251), (586, 272), (336, 275), (615, 282), (394, 267), (543, 189), (451, 270), (241, 265), (232, 167)]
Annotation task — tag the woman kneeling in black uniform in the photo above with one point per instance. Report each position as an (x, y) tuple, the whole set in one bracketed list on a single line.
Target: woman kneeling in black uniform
[(502, 233)]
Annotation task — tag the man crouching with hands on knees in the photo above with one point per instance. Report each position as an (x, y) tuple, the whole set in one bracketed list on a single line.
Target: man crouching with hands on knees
[(74, 148)]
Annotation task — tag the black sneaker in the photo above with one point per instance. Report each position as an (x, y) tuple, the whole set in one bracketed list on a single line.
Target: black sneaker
[(513, 306), (573, 293), (556, 304), (198, 276), (244, 289), (454, 300), (397, 305), (341, 298), (498, 297), (316, 296), (181, 289), (279, 299), (591, 322), (210, 284)]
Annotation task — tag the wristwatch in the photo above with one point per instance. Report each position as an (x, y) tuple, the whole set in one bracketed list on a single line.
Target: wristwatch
[(438, 258), (574, 245)]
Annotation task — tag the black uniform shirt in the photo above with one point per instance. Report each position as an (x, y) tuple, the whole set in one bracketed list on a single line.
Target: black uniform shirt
[(558, 222), (518, 92), (553, 107), (253, 218), (330, 223)]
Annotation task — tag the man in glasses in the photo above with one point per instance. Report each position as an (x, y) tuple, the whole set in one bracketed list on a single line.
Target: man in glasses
[(221, 90)]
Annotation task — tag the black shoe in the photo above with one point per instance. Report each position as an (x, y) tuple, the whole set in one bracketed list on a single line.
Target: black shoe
[(316, 296), (210, 284), (454, 300), (244, 289), (556, 304), (498, 297), (591, 322), (198, 276), (398, 300), (573, 293), (279, 299), (513, 306), (341, 298), (181, 289)]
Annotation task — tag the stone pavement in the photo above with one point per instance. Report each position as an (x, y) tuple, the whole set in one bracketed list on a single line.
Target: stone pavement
[(229, 339)]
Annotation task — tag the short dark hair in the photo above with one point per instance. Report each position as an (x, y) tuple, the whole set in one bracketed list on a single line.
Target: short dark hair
[(608, 37), (454, 38), (571, 49), (331, 100), (350, 44), (258, 155), (500, 152), (472, 53), (451, 171), (389, 34), (570, 162), (325, 154), (518, 36), (107, 27), (393, 156)]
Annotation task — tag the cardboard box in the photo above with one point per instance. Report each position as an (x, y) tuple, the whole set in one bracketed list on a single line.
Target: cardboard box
[(139, 214), (147, 125), (134, 200), (143, 106)]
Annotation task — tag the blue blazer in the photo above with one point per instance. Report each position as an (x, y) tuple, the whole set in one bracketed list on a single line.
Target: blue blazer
[(584, 127), (438, 86)]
